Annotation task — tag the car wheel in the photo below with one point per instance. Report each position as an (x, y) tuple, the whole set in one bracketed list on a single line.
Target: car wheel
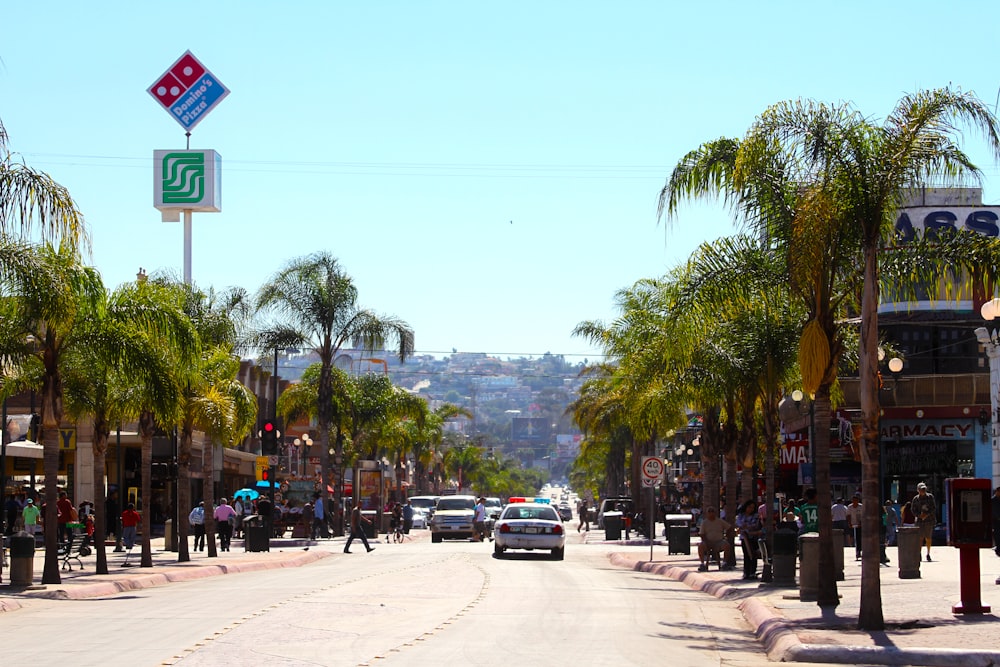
[(497, 550), (435, 538), (557, 554)]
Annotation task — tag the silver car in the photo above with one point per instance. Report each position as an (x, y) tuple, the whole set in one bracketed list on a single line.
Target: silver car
[(453, 518), (529, 526)]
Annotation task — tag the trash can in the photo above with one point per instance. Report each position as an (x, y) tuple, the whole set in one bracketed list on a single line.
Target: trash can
[(678, 533), (255, 537), (613, 525), (368, 527), (783, 554), (22, 559)]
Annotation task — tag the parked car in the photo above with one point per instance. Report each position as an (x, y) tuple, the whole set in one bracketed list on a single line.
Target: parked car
[(453, 518), (529, 526), (565, 512)]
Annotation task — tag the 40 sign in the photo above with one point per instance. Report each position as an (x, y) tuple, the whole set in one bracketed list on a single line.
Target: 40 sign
[(652, 470)]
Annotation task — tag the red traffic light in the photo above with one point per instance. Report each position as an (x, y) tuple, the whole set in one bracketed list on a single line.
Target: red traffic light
[(269, 426), (265, 475)]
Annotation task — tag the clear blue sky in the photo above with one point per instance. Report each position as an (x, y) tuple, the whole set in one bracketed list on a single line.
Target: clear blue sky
[(486, 171)]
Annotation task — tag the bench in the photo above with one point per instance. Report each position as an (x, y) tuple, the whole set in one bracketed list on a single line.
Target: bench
[(72, 550)]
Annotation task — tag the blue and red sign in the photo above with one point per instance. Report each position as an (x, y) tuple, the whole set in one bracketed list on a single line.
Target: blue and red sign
[(188, 91)]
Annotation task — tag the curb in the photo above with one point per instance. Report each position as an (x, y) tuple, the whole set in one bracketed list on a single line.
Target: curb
[(783, 644)]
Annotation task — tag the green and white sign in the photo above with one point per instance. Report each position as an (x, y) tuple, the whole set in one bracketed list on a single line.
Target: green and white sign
[(186, 180)]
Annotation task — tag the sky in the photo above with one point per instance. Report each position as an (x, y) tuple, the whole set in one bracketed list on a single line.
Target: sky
[(487, 172)]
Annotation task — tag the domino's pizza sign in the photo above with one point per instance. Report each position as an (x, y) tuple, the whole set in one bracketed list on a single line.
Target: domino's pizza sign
[(188, 91)]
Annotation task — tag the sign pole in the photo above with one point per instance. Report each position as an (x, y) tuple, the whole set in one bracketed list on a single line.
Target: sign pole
[(652, 519), (187, 246)]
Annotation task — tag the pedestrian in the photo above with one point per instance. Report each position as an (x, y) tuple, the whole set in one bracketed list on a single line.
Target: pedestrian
[(838, 515), (113, 513), (883, 531), (356, 530), (749, 526), (584, 512), (809, 513), (407, 517), (238, 518), (66, 512), (130, 519), (479, 520), (907, 515), (854, 511), (197, 520), (30, 516), (319, 518), (995, 506), (714, 534), (396, 523), (924, 508), (12, 510), (891, 524), (225, 517)]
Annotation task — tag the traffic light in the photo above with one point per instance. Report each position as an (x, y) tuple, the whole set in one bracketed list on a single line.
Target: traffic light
[(265, 474), (269, 435)]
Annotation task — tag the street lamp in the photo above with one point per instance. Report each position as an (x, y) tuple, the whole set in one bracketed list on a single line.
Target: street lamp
[(990, 340)]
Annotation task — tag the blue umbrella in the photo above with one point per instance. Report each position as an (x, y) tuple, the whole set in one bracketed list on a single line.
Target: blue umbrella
[(249, 494), (266, 484)]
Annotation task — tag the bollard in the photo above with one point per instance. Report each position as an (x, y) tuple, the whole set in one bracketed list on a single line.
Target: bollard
[(22, 559), (168, 535), (809, 567), (838, 553), (908, 552)]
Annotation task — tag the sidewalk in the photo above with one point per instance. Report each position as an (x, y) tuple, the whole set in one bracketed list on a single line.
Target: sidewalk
[(921, 630), (84, 583)]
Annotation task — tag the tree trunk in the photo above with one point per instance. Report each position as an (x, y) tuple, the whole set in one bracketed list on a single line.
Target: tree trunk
[(870, 612), (100, 495), (52, 410), (827, 595), (208, 493), (146, 466), (184, 504)]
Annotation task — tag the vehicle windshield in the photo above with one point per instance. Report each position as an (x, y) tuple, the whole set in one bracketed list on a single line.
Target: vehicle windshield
[(493, 502), (543, 513), (456, 504), (423, 503)]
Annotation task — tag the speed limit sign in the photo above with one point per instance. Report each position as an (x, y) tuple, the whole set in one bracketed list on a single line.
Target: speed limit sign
[(652, 470)]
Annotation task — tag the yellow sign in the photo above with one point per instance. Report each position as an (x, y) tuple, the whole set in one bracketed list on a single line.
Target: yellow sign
[(67, 438), (262, 465)]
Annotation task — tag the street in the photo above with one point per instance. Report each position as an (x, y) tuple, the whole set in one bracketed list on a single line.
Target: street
[(411, 604)]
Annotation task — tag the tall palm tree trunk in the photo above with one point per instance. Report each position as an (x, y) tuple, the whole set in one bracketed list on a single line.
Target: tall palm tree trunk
[(184, 492), (827, 595), (870, 615), (147, 427), (208, 493), (50, 442), (100, 495)]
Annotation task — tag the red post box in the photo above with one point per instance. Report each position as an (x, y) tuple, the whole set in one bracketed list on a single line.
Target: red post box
[(970, 528)]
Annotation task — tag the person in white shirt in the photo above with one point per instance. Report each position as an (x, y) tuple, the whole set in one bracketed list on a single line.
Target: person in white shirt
[(197, 520)]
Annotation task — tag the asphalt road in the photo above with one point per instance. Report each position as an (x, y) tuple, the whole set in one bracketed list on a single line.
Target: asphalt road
[(412, 604)]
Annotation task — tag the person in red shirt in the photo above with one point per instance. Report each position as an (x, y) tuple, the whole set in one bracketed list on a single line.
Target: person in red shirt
[(130, 519), (64, 507)]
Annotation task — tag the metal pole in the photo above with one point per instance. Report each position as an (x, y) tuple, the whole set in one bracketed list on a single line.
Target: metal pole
[(3, 469), (187, 247), (274, 416)]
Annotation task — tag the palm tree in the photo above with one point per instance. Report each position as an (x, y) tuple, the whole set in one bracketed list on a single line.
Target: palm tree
[(315, 304), (225, 410), (32, 202), (866, 171), (109, 357), (209, 400)]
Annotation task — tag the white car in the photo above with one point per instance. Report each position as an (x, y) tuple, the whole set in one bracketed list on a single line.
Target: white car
[(453, 517), (529, 526), (419, 519)]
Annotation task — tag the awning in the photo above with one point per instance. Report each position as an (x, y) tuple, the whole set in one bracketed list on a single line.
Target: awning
[(25, 449)]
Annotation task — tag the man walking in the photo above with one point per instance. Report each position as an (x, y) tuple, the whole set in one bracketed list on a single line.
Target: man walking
[(225, 517), (924, 508), (854, 511), (356, 529), (319, 518), (197, 520), (584, 516)]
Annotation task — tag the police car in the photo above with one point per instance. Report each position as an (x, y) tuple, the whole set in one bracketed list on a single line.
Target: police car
[(529, 523)]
